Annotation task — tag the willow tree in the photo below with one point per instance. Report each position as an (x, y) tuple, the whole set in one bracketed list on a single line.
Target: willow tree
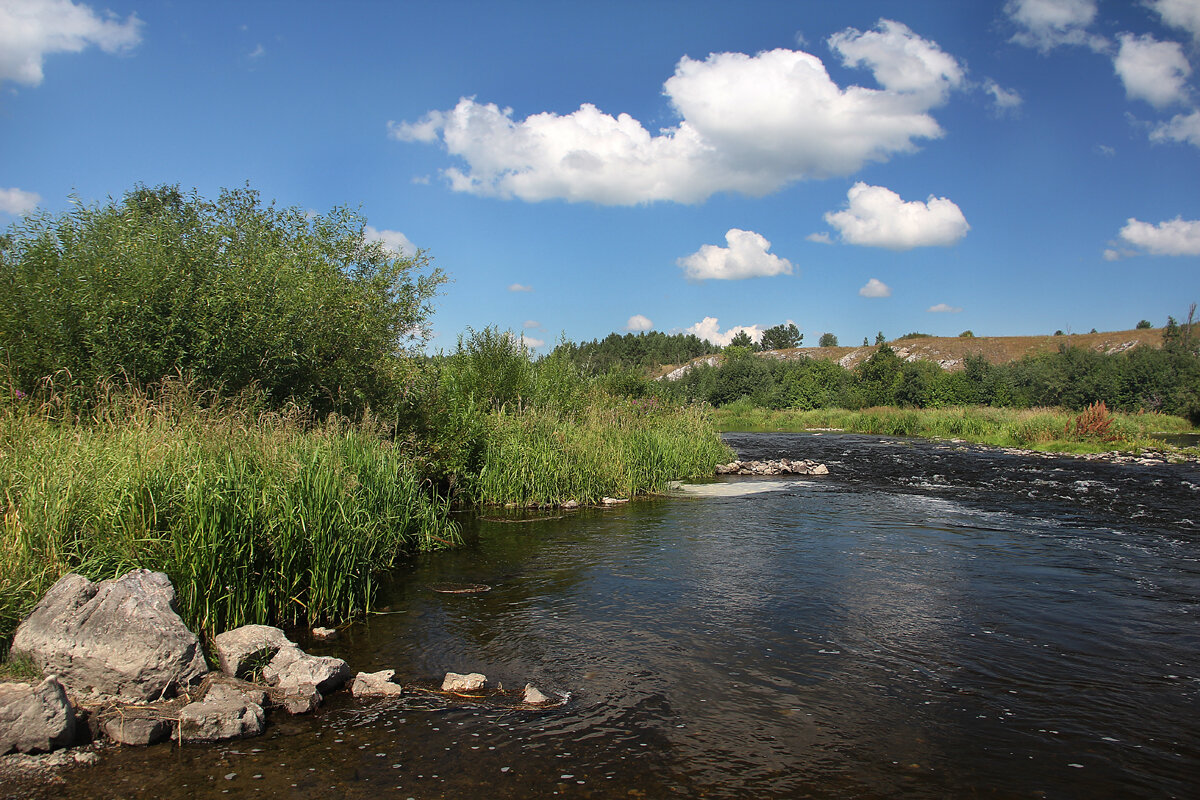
[(233, 293)]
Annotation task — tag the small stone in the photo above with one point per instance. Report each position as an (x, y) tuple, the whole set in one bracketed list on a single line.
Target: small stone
[(533, 696), (375, 684), (570, 505), (456, 682), (324, 633)]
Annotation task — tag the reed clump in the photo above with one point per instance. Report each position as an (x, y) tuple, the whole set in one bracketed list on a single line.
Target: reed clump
[(255, 516), (606, 446)]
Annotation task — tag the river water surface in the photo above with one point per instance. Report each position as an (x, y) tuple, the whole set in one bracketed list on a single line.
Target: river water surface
[(928, 620)]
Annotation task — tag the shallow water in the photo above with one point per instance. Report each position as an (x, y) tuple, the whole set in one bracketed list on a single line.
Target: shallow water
[(929, 620)]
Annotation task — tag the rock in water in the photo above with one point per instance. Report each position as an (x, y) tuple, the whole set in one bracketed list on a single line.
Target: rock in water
[(35, 719), (244, 650), (212, 720), (292, 669), (117, 639), (533, 696), (472, 682), (375, 684)]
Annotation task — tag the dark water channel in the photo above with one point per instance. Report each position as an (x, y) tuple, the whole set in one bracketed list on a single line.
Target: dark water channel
[(929, 620)]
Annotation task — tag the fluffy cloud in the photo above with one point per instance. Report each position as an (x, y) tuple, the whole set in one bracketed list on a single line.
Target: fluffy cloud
[(531, 323), (745, 257), (1004, 100), (943, 308), (1151, 70), (17, 202), (875, 288), (519, 287), (394, 241), (1183, 14), (1176, 237), (709, 330), (1044, 24), (639, 323), (900, 60), (1181, 128), (532, 342), (30, 30), (875, 216), (749, 124)]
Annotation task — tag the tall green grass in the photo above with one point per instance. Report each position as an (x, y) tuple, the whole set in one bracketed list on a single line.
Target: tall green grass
[(266, 518), (1036, 428), (607, 446)]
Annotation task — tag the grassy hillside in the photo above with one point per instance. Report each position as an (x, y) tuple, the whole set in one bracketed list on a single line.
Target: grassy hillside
[(950, 351)]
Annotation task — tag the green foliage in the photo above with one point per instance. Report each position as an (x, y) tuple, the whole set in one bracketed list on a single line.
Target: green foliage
[(829, 340), (916, 335), (1041, 428), (256, 517), (741, 339), (234, 293), (781, 337), (967, 334), (491, 368), (613, 447), (879, 338), (642, 351), (1144, 324)]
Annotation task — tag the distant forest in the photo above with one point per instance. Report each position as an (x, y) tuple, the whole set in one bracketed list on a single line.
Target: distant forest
[(1163, 379)]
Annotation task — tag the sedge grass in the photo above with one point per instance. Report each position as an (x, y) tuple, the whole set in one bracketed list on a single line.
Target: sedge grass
[(1052, 430), (608, 447), (255, 518)]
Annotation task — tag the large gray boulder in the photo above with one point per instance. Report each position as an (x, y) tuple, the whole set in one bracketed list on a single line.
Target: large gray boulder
[(35, 719), (118, 639), (243, 651)]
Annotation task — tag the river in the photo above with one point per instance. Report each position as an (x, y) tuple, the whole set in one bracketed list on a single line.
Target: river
[(929, 620)]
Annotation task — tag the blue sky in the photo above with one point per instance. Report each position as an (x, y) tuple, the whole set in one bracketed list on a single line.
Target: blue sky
[(581, 168)]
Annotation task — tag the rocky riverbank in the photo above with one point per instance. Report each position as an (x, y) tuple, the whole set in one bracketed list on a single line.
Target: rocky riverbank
[(119, 667)]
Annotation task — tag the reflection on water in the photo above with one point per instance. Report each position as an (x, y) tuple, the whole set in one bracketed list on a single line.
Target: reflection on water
[(929, 620)]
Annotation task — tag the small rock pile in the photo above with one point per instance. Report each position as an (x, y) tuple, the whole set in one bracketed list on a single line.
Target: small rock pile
[(120, 664), (781, 466)]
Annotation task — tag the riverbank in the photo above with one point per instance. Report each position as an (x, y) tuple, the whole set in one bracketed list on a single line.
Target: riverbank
[(1095, 432), (275, 518)]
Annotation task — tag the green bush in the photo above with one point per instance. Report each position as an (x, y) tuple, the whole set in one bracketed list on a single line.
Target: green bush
[(234, 293)]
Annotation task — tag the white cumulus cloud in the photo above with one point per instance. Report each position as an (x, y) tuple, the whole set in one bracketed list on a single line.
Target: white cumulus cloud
[(748, 124), (1180, 128), (1175, 237), (30, 30), (395, 241), (709, 330), (1184, 14), (875, 288), (944, 308), (900, 60), (1044, 24), (875, 216), (1151, 70), (638, 322), (745, 257), (519, 287), (18, 202)]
